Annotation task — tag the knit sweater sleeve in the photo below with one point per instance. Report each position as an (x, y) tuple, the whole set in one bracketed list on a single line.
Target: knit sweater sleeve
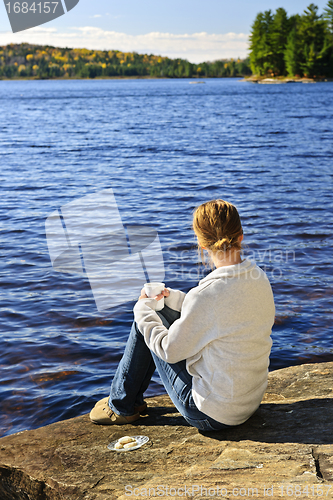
[(186, 337), (175, 299)]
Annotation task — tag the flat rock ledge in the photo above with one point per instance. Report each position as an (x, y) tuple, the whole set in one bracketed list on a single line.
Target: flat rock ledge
[(285, 450)]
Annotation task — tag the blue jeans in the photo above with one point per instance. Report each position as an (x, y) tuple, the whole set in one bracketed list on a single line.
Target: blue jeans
[(136, 369)]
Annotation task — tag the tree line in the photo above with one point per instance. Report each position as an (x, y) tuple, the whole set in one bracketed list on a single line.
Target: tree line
[(44, 62), (295, 46)]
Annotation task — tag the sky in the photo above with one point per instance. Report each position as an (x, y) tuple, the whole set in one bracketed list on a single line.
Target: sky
[(196, 30)]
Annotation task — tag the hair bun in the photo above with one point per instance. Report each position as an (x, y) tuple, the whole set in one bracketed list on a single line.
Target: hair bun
[(222, 244)]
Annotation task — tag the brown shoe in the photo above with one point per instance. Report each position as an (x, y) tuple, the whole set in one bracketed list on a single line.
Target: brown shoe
[(102, 414), (103, 401), (137, 409)]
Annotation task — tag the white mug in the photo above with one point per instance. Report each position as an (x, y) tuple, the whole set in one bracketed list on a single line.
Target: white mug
[(152, 289)]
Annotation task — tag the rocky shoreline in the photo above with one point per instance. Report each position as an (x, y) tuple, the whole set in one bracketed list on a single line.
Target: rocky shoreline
[(285, 450), (268, 81)]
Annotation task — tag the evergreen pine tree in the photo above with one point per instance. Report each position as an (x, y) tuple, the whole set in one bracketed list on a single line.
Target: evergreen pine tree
[(279, 37), (292, 54), (261, 49), (312, 34), (328, 16), (325, 58), (326, 54), (257, 33)]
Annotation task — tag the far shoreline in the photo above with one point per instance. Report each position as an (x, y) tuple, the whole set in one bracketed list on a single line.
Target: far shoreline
[(197, 79), (249, 79)]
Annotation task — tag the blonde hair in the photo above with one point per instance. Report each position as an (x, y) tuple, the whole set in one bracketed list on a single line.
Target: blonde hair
[(217, 226)]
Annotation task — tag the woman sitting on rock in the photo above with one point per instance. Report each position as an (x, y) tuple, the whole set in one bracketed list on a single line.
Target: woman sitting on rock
[(210, 346)]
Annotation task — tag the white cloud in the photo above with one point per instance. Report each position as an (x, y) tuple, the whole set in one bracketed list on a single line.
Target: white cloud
[(97, 15), (196, 47)]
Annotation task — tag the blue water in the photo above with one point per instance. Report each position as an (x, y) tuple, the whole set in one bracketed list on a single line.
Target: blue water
[(163, 146)]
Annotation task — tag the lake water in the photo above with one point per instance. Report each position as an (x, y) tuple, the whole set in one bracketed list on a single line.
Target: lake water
[(163, 147)]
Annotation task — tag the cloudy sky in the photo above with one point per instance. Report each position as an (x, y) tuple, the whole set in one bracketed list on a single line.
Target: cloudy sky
[(197, 30)]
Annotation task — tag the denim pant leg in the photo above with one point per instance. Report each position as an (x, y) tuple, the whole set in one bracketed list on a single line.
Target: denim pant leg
[(132, 376), (136, 369)]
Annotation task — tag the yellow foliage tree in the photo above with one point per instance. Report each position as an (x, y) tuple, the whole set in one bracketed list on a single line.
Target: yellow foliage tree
[(84, 52)]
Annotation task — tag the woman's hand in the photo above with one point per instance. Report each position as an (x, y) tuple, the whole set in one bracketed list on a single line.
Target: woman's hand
[(160, 296)]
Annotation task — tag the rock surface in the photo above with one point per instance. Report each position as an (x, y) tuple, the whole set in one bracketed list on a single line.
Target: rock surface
[(285, 450)]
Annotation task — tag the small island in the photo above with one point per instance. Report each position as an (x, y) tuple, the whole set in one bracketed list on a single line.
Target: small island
[(297, 48)]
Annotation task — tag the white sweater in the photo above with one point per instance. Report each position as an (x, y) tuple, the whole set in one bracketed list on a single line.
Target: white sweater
[(224, 335)]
